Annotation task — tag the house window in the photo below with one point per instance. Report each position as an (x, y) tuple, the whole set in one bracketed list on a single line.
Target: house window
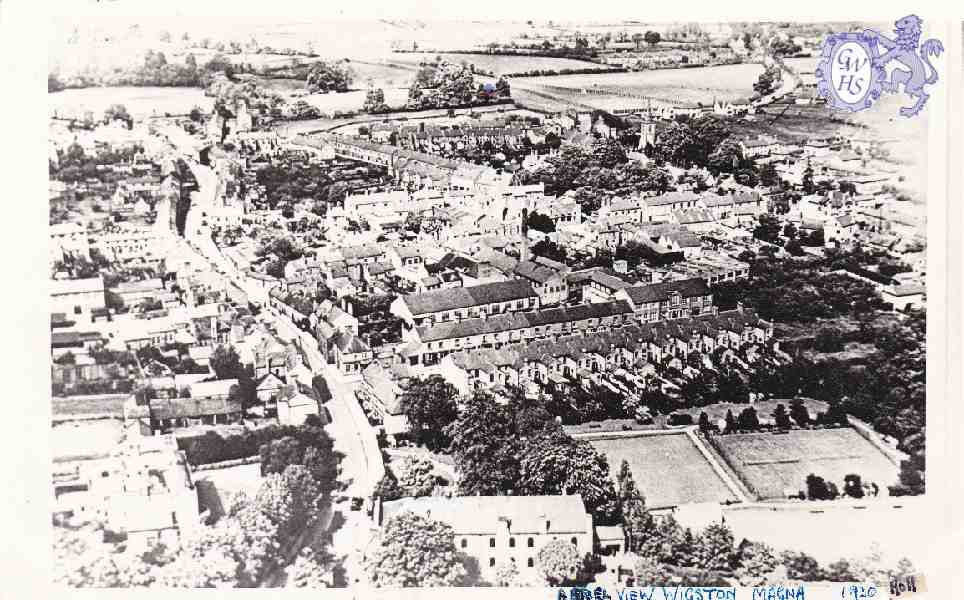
[(492, 562), (511, 542), (465, 542), (574, 541), (530, 544), (530, 563), (491, 542)]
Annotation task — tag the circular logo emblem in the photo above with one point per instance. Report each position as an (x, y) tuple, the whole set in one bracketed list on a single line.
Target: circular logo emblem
[(847, 76)]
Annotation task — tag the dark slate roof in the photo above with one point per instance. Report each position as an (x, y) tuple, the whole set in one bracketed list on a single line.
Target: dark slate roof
[(658, 292), (193, 407), (351, 344), (456, 298), (514, 321), (535, 272)]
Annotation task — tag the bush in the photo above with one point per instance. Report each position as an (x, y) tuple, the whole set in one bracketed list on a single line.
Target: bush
[(680, 419)]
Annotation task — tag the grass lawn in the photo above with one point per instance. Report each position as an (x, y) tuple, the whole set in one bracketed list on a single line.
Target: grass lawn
[(668, 469), (770, 464)]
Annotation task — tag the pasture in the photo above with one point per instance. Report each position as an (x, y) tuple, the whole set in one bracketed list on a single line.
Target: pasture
[(505, 64), (770, 464), (141, 102), (668, 468)]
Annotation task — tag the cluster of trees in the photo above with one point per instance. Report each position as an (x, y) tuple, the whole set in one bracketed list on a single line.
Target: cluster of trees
[(155, 70), (768, 81), (324, 76), (443, 84), (74, 164), (820, 489), (801, 291), (596, 172), (295, 181), (240, 548), (375, 101), (412, 477), (226, 364), (705, 142)]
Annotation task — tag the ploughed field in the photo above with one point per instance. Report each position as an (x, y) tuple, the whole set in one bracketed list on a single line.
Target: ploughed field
[(699, 84), (668, 468), (774, 464)]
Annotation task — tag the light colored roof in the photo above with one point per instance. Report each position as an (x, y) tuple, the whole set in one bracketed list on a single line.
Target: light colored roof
[(482, 515), (220, 387), (76, 286), (456, 298)]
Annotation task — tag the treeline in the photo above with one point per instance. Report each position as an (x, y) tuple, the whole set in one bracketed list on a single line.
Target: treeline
[(155, 70)]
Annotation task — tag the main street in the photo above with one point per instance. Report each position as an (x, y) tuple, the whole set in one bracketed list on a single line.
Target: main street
[(360, 467)]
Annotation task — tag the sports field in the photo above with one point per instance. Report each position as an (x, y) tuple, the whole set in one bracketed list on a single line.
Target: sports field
[(771, 464), (668, 468)]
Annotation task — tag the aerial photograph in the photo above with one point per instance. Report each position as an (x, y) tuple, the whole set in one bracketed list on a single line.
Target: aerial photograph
[(376, 304)]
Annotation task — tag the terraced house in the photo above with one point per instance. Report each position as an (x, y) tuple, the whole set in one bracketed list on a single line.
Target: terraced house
[(430, 343), (580, 356), (456, 304), (668, 299)]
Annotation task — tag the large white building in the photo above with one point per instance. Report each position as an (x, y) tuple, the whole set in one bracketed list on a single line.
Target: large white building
[(502, 529)]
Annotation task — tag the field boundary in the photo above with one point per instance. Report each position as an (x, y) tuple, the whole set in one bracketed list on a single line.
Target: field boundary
[(743, 494)]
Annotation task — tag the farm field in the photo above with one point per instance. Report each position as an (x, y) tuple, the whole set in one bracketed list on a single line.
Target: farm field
[(773, 464), (141, 102), (669, 469), (374, 74), (504, 64), (700, 84), (353, 100)]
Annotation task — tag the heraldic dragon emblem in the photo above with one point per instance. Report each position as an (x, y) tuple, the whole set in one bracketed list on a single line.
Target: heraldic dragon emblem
[(904, 49)]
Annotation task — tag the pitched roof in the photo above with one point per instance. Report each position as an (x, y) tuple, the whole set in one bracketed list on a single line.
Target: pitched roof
[(351, 344), (520, 320), (455, 298), (485, 514), (220, 387), (76, 286), (659, 292), (192, 407)]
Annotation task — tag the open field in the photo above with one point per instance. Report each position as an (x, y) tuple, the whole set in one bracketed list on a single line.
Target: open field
[(700, 84), (505, 64), (381, 75), (772, 464), (668, 468), (141, 102), (85, 438), (345, 101)]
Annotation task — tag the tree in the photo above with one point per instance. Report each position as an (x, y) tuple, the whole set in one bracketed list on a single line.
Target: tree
[(794, 248), (507, 574), (769, 176), (768, 229), (558, 562), (387, 488), (853, 487), (550, 250), (540, 222), (413, 551), (780, 417), (789, 231), (375, 101), (309, 570), (799, 412), (649, 572), (554, 463), (748, 420), (431, 405), (632, 507), (652, 37), (290, 499), (308, 446), (704, 423), (415, 476), (756, 563), (766, 83), (226, 363), (714, 550), (817, 488), (801, 566), (807, 181), (730, 422), (486, 447), (117, 112)]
